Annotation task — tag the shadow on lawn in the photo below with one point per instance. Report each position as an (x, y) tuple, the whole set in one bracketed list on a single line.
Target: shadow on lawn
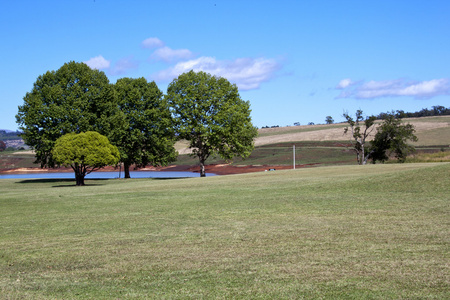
[(69, 182), (59, 181)]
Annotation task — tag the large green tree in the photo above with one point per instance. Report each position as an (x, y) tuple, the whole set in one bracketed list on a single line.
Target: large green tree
[(391, 139), (84, 152), (210, 114), (148, 136), (75, 98)]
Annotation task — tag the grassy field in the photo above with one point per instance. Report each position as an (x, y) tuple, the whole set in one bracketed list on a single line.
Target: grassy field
[(348, 232)]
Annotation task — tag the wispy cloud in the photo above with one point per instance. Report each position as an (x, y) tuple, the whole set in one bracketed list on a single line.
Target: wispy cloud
[(169, 55), (98, 62), (393, 88), (344, 83), (247, 73), (123, 65), (152, 42)]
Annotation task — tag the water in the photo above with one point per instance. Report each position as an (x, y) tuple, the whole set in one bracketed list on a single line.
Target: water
[(103, 175)]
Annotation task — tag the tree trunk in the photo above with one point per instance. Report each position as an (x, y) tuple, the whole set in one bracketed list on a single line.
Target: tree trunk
[(79, 179), (79, 176), (363, 155), (202, 168), (80, 173), (126, 169)]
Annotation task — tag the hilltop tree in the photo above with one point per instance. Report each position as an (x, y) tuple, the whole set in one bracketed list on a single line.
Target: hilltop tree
[(391, 138), (148, 136), (360, 132), (74, 98), (209, 113), (329, 120), (84, 153)]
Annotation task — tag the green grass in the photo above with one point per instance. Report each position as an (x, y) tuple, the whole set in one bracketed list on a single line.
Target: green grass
[(348, 232), (442, 156)]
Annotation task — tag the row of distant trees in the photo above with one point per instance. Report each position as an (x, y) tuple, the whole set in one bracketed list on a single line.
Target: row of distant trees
[(437, 110), (135, 117), (9, 135)]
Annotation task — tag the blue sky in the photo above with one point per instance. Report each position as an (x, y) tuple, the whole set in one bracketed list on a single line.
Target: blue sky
[(295, 61)]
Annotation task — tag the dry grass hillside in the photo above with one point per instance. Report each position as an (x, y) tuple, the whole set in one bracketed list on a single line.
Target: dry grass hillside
[(429, 130)]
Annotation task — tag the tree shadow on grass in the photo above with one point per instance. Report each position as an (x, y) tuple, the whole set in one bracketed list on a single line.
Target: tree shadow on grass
[(62, 182), (164, 178), (69, 182)]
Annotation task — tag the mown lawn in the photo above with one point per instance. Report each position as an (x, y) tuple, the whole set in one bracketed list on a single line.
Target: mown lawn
[(349, 232)]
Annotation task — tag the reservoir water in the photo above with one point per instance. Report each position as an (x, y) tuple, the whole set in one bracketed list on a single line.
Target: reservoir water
[(103, 175)]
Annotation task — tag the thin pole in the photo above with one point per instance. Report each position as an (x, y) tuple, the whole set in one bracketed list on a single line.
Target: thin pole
[(294, 155)]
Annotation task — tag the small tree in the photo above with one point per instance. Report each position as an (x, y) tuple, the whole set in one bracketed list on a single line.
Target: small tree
[(360, 133), (209, 113), (84, 152), (329, 120), (2, 146), (391, 138)]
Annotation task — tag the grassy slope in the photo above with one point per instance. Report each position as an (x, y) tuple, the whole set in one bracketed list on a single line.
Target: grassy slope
[(429, 130), (379, 231), (325, 144)]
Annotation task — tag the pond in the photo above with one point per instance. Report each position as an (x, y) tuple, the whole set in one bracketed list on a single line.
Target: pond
[(104, 175)]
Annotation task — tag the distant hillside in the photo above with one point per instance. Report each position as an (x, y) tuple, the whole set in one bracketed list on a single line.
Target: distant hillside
[(429, 130), (6, 134)]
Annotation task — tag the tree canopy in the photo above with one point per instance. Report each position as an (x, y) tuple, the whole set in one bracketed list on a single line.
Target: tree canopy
[(209, 113), (361, 127), (391, 138), (148, 136), (75, 98), (84, 152)]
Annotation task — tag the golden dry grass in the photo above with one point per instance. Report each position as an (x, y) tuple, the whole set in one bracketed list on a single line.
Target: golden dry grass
[(430, 131)]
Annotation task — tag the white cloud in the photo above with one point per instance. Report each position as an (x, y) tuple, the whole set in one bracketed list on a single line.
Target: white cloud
[(344, 83), (98, 62), (123, 65), (168, 55), (247, 73), (396, 88), (152, 42)]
